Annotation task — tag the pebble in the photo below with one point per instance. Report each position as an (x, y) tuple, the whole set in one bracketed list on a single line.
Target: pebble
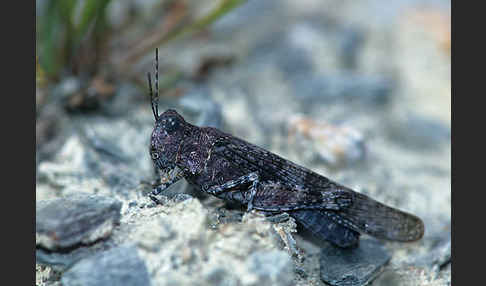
[(272, 267), (117, 266), (353, 267), (62, 260), (418, 132), (67, 87), (198, 101), (318, 88), (438, 256), (336, 145), (75, 219)]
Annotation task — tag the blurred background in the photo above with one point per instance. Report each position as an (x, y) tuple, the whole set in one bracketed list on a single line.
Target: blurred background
[(359, 91)]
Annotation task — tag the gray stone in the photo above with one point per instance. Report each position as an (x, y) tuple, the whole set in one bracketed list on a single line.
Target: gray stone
[(438, 256), (444, 255), (271, 267), (412, 276), (75, 219), (67, 87), (371, 89), (117, 266), (356, 266), (419, 132), (198, 101), (248, 13), (335, 145), (351, 43), (62, 260), (220, 277)]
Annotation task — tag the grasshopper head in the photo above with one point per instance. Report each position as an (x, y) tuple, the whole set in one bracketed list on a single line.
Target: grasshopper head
[(166, 139)]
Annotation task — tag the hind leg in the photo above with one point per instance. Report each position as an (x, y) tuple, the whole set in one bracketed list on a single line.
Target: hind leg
[(324, 228), (284, 230)]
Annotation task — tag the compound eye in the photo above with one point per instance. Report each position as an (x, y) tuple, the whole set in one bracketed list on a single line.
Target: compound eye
[(154, 155), (171, 125)]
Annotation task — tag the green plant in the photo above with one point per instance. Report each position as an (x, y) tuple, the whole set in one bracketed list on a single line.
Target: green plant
[(62, 26)]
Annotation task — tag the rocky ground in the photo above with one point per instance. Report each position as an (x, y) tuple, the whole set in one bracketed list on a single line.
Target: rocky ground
[(358, 92)]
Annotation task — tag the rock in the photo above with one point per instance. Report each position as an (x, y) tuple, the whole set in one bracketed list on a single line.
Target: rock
[(356, 266), (351, 43), (155, 235), (315, 41), (180, 239), (45, 275), (117, 266), (220, 277), (69, 171), (67, 87), (249, 12), (132, 204), (116, 150), (418, 132), (319, 88), (50, 122), (75, 219), (190, 211), (336, 145), (107, 150), (443, 255), (293, 60), (413, 276), (62, 260), (437, 257), (272, 267), (198, 101)]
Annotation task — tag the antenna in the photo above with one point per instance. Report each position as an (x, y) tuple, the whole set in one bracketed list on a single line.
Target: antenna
[(155, 99), (152, 99), (157, 80)]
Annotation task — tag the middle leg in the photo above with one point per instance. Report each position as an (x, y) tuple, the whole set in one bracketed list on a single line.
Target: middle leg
[(252, 178)]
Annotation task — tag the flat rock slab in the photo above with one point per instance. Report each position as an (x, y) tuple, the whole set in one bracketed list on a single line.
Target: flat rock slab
[(117, 266), (353, 267), (72, 220), (61, 260)]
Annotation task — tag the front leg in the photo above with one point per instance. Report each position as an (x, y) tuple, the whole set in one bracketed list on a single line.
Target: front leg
[(252, 177), (163, 186)]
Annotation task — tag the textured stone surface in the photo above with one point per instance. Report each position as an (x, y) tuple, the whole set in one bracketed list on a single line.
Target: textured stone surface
[(77, 219), (353, 267), (62, 260), (117, 266), (271, 268)]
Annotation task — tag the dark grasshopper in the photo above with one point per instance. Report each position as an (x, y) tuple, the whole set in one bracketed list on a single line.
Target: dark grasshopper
[(234, 170)]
